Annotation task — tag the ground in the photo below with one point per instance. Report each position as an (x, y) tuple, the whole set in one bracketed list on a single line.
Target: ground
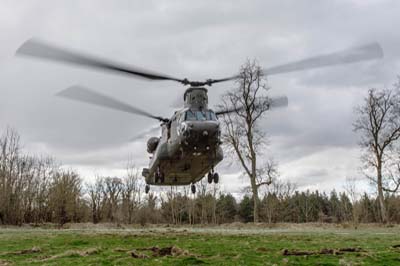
[(220, 245)]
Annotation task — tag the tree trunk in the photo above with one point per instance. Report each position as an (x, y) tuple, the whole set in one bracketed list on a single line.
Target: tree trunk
[(381, 198), (254, 189)]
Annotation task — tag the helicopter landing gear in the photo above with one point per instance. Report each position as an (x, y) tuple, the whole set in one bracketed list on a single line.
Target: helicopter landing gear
[(216, 178), (193, 188), (212, 177), (147, 189)]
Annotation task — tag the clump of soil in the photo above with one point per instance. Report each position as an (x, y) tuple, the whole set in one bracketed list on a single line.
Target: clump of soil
[(159, 252), (5, 263), (262, 249), (324, 251), (137, 255), (120, 250), (23, 251), (68, 253)]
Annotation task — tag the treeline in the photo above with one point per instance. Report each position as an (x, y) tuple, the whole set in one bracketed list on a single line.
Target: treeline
[(36, 190)]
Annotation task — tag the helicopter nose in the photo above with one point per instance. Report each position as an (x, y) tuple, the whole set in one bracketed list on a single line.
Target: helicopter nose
[(203, 130)]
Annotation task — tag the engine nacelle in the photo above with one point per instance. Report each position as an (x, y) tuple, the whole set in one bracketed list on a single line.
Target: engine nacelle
[(152, 144)]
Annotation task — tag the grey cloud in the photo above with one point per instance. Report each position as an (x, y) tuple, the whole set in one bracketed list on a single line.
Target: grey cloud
[(203, 39)]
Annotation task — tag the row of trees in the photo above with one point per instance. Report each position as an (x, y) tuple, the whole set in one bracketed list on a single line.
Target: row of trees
[(36, 190)]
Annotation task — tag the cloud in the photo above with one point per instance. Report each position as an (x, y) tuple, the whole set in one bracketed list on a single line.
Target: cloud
[(202, 39)]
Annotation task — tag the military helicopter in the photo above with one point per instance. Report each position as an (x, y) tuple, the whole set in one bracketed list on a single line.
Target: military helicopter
[(189, 147)]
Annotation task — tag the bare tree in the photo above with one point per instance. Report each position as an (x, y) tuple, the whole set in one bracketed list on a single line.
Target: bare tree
[(112, 188), (276, 193), (379, 124), (96, 198), (351, 190), (9, 153), (65, 194), (131, 192), (241, 132)]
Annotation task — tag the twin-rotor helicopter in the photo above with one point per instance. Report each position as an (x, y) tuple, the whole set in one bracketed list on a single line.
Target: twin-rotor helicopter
[(189, 147)]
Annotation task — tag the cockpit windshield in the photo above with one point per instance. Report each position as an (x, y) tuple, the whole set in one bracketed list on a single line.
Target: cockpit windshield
[(200, 115)]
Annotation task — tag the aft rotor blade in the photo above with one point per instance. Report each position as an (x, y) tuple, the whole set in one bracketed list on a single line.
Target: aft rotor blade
[(274, 102), (362, 53), (43, 50), (86, 95), (279, 102)]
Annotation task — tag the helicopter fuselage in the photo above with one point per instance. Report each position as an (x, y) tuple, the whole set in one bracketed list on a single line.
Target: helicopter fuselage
[(185, 158), (189, 147)]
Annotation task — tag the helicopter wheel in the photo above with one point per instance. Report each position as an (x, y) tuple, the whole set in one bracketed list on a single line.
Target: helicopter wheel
[(210, 178), (193, 188), (216, 178), (147, 189)]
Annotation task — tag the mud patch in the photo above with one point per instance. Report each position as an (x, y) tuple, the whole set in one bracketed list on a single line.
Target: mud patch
[(324, 251)]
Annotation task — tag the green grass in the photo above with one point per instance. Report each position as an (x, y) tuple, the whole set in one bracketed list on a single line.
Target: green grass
[(211, 246)]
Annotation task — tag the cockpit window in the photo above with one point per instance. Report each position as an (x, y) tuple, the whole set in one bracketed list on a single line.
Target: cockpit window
[(190, 116), (200, 115)]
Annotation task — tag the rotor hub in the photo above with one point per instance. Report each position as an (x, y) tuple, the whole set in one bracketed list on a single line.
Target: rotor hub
[(208, 82)]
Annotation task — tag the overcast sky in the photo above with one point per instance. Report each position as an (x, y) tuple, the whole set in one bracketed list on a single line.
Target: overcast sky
[(312, 140)]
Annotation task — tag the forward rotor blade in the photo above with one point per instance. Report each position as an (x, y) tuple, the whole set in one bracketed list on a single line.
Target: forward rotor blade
[(145, 132), (352, 55), (42, 50), (274, 102), (86, 95), (212, 81)]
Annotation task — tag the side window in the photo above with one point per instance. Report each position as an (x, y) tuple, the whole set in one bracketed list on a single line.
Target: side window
[(211, 115)]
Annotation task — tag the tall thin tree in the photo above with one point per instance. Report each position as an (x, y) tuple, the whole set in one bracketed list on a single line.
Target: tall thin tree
[(378, 122), (249, 103)]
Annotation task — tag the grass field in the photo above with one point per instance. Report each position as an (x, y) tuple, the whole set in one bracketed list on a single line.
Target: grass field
[(223, 245)]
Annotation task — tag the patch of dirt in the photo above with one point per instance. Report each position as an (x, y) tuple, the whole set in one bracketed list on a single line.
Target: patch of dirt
[(120, 250), (324, 251), (351, 249), (68, 253), (159, 252), (23, 251), (5, 263), (262, 249)]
